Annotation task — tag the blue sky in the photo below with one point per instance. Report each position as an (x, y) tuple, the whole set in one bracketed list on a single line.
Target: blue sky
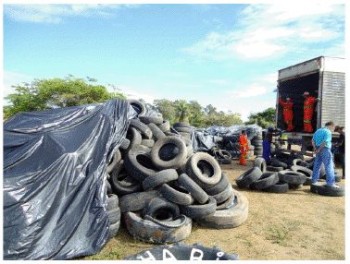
[(224, 55)]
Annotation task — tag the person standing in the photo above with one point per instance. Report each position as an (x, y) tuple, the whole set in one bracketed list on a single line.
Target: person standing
[(267, 144), (287, 112), (309, 108), (322, 144), (243, 144), (341, 149)]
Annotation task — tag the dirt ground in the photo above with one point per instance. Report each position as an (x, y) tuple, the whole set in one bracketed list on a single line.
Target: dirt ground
[(297, 225)]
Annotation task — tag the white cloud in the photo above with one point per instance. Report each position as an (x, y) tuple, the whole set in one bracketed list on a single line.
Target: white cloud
[(13, 78), (273, 30), (55, 13), (251, 91)]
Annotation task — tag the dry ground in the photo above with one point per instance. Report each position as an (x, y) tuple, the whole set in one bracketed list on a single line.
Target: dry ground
[(296, 225)]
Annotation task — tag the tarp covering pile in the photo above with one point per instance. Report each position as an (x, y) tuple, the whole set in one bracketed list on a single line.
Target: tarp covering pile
[(54, 175), (222, 137)]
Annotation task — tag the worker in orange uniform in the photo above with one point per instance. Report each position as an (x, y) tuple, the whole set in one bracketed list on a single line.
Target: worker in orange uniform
[(287, 112), (243, 144), (309, 108)]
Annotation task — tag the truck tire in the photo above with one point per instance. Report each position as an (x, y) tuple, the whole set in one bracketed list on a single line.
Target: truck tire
[(143, 128), (159, 178), (198, 163), (230, 202), (134, 136), (147, 142), (224, 195), (177, 161), (148, 231), (139, 107), (218, 188), (139, 165), (303, 170), (122, 183), (161, 209), (176, 195), (195, 190), (116, 158), (260, 163), (266, 180), (196, 211), (125, 143), (229, 218), (292, 178), (157, 133), (157, 120), (248, 177)]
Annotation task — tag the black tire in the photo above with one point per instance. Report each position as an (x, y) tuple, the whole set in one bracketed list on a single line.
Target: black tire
[(300, 162), (279, 187), (248, 177), (137, 106), (113, 229), (224, 154), (303, 170), (196, 166), (147, 142), (176, 195), (275, 169), (184, 129), (117, 156), (295, 186), (134, 136), (165, 126), (260, 163), (292, 177), (185, 135), (232, 217), (224, 195), (151, 232), (151, 119), (276, 163), (138, 164), (125, 143), (218, 188), (325, 190), (171, 223), (196, 211), (108, 188), (136, 201), (224, 161), (231, 201), (189, 150), (181, 124), (157, 132), (113, 216), (143, 128), (266, 180), (122, 183), (195, 190), (161, 209), (160, 178), (174, 163), (112, 202)]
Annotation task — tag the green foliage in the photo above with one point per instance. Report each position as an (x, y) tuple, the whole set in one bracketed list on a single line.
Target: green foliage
[(55, 93), (195, 114), (264, 119)]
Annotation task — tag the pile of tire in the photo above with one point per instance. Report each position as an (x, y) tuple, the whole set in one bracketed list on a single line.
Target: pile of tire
[(221, 155), (257, 143), (163, 186)]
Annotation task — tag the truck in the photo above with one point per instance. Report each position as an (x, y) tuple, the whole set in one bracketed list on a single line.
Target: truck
[(324, 78)]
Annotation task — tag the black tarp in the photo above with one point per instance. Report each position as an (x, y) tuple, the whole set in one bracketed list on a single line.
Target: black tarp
[(54, 179)]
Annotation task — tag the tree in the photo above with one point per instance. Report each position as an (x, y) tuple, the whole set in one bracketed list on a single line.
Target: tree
[(55, 93), (167, 108), (182, 110), (264, 119)]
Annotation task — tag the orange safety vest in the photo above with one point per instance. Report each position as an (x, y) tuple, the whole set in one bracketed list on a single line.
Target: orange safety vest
[(309, 105), (287, 113)]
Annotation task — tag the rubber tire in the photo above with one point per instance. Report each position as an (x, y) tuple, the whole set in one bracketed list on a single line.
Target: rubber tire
[(229, 218), (108, 188), (248, 177), (125, 143), (324, 190), (165, 126), (184, 129), (220, 187), (260, 163), (143, 128), (136, 201), (181, 124), (231, 201), (174, 163), (117, 156), (151, 119), (113, 229), (224, 154), (157, 133), (224, 195), (148, 231), (292, 178), (194, 189), (147, 142), (138, 106), (279, 187), (158, 203), (125, 186), (195, 173), (112, 202), (266, 180), (276, 163), (113, 216), (196, 211), (274, 169), (134, 168), (300, 162), (175, 195), (307, 172), (159, 178), (134, 136)]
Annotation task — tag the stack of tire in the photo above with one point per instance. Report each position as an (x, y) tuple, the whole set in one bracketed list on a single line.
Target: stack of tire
[(221, 155), (163, 186), (113, 212), (257, 143), (184, 129)]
